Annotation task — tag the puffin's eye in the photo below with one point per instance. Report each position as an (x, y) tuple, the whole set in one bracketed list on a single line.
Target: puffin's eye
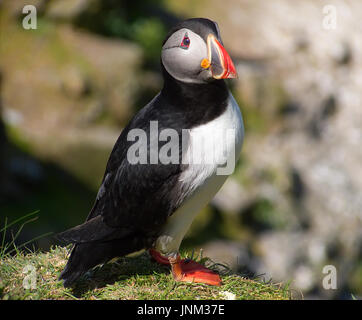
[(185, 43)]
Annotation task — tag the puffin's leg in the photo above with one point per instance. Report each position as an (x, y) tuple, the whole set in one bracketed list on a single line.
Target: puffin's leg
[(158, 257), (190, 271)]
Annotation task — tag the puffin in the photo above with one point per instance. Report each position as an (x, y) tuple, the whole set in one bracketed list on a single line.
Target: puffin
[(168, 162)]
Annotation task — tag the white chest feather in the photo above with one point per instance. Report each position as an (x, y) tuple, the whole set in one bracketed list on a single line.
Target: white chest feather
[(213, 150)]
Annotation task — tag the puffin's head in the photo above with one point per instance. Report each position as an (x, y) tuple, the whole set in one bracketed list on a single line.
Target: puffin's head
[(193, 52)]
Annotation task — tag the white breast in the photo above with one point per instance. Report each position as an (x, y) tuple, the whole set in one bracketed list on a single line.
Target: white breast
[(211, 147)]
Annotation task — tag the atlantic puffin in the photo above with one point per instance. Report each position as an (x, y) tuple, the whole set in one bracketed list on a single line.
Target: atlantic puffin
[(150, 205)]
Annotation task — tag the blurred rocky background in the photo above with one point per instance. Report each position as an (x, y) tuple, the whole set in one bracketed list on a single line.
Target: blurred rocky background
[(294, 203)]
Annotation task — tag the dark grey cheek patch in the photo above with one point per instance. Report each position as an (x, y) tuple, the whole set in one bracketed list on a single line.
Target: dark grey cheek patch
[(170, 47)]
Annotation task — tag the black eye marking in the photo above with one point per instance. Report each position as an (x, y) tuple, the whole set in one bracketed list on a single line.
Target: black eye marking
[(185, 43)]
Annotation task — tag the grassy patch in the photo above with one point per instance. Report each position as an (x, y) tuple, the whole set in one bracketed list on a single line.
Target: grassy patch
[(125, 278)]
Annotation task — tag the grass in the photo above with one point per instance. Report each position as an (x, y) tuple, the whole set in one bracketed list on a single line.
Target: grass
[(33, 275), (125, 278), (9, 247)]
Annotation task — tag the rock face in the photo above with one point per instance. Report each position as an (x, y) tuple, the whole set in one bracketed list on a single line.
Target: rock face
[(78, 91), (304, 153), (2, 137)]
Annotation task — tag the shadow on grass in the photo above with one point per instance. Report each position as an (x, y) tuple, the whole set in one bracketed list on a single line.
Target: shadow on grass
[(124, 268), (119, 270)]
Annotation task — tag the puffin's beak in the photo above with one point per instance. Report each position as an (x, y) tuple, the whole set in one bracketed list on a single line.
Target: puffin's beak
[(220, 63)]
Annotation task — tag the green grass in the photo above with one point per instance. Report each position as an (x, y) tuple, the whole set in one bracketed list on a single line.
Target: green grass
[(136, 278), (125, 278)]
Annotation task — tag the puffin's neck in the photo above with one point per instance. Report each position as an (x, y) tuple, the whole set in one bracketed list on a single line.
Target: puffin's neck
[(198, 102)]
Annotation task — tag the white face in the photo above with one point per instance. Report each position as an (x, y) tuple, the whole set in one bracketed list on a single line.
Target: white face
[(182, 55)]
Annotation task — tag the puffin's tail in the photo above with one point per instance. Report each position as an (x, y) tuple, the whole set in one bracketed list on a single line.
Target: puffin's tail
[(82, 258), (86, 256), (95, 243), (74, 268)]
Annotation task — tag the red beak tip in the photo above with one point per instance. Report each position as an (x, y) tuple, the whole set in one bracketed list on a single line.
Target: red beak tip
[(230, 73), (228, 65), (234, 75)]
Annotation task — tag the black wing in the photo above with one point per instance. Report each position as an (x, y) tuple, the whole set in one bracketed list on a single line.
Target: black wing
[(135, 198)]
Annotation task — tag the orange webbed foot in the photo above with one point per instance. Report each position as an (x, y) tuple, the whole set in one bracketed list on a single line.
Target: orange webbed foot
[(192, 271), (187, 270)]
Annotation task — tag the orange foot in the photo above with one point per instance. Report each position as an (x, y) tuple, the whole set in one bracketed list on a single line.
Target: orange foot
[(158, 257), (188, 270)]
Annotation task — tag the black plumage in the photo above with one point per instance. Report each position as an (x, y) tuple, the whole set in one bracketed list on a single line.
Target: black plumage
[(135, 200)]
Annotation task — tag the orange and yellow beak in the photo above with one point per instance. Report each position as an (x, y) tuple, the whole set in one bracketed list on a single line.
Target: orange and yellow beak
[(218, 60)]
